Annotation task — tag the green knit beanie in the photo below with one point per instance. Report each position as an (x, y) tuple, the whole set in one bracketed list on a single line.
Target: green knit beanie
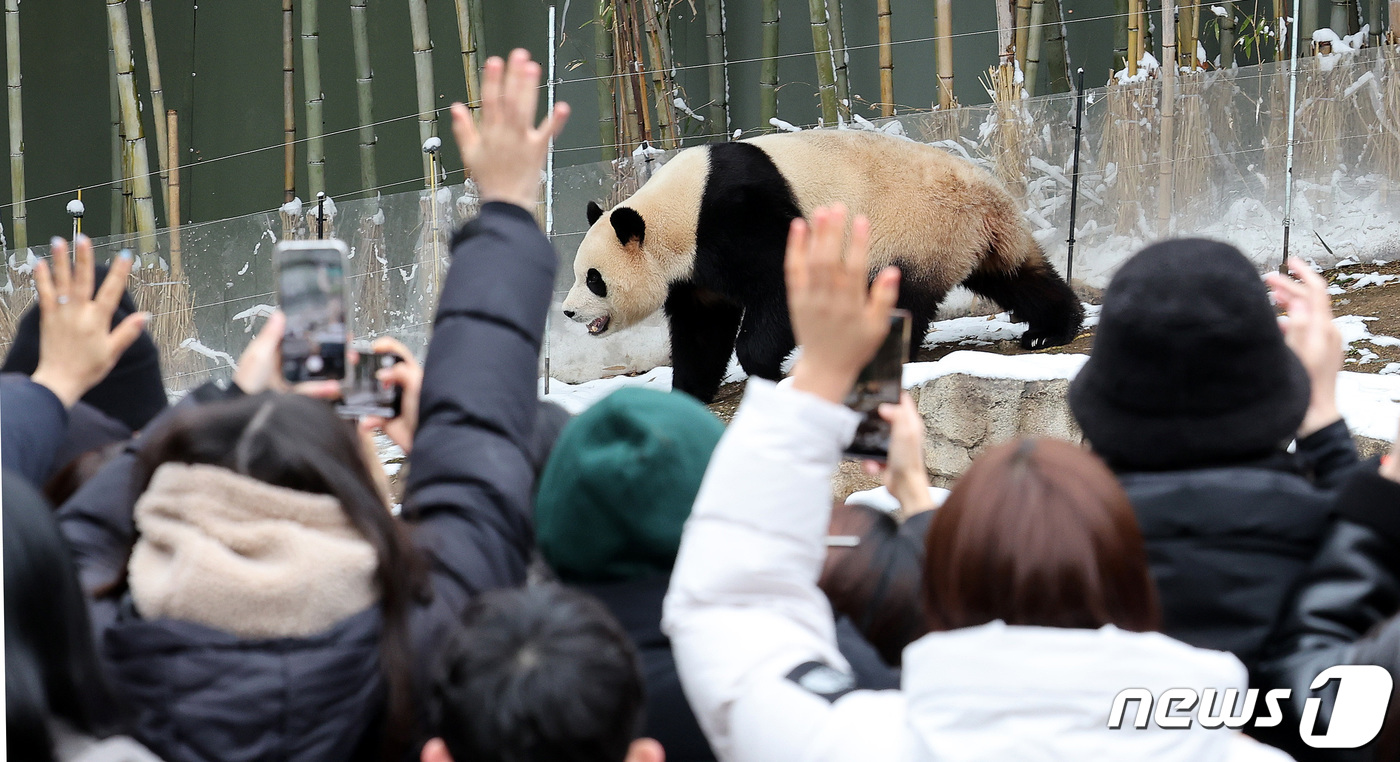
[(619, 485)]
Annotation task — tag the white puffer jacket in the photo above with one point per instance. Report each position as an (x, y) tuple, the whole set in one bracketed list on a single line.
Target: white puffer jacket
[(754, 638)]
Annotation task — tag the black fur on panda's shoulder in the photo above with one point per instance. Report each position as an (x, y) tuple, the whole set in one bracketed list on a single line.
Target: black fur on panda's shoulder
[(742, 230)]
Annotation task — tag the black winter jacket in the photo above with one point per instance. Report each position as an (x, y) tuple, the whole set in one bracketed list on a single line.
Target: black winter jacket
[(33, 426), (1343, 612), (1226, 545), (198, 694)]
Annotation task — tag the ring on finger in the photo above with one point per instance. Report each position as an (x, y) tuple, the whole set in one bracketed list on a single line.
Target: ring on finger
[(63, 299)]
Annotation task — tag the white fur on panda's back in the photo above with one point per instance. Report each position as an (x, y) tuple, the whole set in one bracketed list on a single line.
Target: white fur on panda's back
[(935, 212), (669, 202)]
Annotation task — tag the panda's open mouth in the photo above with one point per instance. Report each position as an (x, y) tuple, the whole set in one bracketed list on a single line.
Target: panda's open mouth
[(597, 327)]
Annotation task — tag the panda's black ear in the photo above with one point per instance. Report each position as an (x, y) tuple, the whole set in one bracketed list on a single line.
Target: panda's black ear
[(629, 225), (594, 212)]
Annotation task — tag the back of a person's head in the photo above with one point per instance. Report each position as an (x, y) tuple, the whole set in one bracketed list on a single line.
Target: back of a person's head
[(876, 582), (299, 443), (619, 485), (1039, 533), (51, 665), (1189, 368), (538, 674)]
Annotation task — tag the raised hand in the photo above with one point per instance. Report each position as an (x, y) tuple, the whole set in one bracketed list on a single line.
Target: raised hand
[(260, 366), (837, 319), (1313, 337), (505, 153), (905, 475), (407, 375), (78, 346)]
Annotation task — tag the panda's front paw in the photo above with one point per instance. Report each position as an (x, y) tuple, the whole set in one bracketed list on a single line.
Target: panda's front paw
[(1030, 340)]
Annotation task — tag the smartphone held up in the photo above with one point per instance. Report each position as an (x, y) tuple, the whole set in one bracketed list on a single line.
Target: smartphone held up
[(879, 382), (311, 292)]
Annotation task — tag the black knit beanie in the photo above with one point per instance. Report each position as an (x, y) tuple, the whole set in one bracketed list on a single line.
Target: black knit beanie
[(132, 393), (1189, 368)]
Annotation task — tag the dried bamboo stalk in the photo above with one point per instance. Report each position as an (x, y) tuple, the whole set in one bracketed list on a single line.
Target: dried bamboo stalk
[(607, 83), (1165, 165), (768, 71), (666, 128), (943, 46), (1023, 30), (148, 31), (821, 49), (1189, 15), (172, 198), (176, 295), (840, 58), (119, 176), (19, 226), (1392, 32), (1006, 31), (718, 69), (1134, 36), (289, 116), (1011, 144), (144, 206), (1056, 49), (638, 69), (466, 33), (364, 94), (315, 99), (630, 128), (1341, 12), (423, 73), (882, 19), (1035, 38)]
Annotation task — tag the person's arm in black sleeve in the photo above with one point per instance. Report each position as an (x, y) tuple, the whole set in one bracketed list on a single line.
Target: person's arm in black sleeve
[(33, 424), (1330, 454)]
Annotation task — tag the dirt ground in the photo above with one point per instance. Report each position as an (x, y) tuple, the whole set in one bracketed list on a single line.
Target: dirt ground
[(1381, 302)]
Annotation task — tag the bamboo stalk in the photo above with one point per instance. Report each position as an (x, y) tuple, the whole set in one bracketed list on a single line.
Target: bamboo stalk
[(423, 72), (119, 181), (315, 99), (1057, 49), (466, 32), (630, 129), (943, 47), (144, 207), (821, 48), (289, 115), (19, 226), (638, 70), (882, 19), (1341, 22), (148, 31), (1120, 34), (1166, 147), (1227, 35), (768, 71), (1391, 18), (1307, 23), (478, 28), (1189, 16), (1134, 35), (1373, 17), (666, 128), (1023, 30), (719, 80), (840, 58), (607, 88), (1006, 32), (172, 197), (364, 93), (1035, 39)]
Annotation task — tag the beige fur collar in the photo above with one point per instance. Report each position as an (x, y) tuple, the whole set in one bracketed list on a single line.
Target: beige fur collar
[(245, 557)]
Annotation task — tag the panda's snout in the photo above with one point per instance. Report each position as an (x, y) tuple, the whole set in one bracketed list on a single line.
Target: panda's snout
[(569, 313)]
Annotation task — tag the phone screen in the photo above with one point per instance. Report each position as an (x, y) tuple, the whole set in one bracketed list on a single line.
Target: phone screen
[(311, 292), (879, 382), (366, 394)]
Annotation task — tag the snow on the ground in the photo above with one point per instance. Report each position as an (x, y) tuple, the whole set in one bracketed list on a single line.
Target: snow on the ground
[(881, 499), (577, 398), (1354, 330), (981, 331), (1037, 367)]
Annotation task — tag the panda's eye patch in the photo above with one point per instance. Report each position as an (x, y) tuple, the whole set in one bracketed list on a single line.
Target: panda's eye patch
[(595, 283)]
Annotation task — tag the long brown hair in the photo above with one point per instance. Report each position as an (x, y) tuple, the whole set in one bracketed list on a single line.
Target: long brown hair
[(876, 583), (1038, 532)]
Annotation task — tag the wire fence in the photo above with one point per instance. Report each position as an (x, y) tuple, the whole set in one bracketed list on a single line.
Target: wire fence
[(1225, 182)]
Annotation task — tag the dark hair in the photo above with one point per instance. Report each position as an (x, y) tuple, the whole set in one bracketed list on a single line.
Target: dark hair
[(876, 583), (539, 674), (296, 442), (51, 665), (68, 480), (1038, 532)]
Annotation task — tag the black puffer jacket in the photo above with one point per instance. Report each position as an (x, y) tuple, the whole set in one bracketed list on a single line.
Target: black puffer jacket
[(1226, 545), (1343, 612), (201, 695)]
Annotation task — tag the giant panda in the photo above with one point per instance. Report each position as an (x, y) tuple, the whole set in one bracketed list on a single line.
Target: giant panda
[(705, 238)]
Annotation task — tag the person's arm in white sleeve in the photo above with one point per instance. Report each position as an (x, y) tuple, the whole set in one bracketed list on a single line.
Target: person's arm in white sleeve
[(752, 634)]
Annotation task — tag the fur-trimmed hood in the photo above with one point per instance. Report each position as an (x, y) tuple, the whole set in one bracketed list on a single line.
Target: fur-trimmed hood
[(245, 557)]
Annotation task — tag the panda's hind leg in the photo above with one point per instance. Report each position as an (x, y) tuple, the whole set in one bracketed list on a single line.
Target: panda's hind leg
[(703, 326), (922, 301), (1032, 292), (765, 341)]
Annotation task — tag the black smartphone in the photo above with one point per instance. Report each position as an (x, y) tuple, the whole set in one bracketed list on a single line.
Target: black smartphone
[(311, 292), (365, 394), (880, 381)]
